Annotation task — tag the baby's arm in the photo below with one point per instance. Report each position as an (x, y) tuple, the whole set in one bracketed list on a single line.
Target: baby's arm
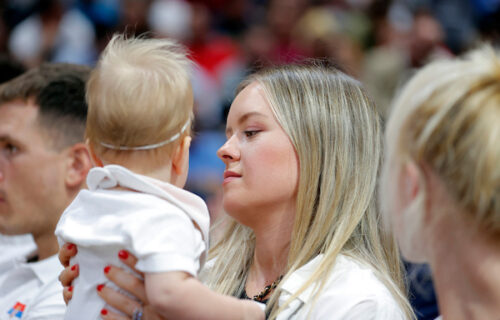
[(178, 295)]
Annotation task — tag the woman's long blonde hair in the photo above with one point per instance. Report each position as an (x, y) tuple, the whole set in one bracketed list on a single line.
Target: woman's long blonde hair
[(336, 132)]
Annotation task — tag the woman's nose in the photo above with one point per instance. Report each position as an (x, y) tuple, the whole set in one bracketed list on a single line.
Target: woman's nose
[(228, 152)]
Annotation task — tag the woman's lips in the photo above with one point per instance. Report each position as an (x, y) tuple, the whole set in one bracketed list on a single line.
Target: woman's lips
[(230, 176)]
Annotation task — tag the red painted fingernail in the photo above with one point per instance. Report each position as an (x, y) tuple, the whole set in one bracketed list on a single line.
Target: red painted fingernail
[(104, 312), (122, 254), (70, 288), (99, 287), (106, 269), (73, 268), (71, 246)]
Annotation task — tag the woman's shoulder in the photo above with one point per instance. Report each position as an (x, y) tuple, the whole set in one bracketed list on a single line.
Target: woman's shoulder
[(356, 277), (352, 290)]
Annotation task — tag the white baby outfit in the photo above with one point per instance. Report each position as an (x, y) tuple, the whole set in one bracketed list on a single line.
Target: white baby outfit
[(165, 227)]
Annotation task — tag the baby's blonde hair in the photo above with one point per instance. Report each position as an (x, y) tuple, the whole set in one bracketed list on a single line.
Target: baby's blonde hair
[(448, 118), (139, 94)]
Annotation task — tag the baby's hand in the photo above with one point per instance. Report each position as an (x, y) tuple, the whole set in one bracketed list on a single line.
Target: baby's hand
[(254, 310)]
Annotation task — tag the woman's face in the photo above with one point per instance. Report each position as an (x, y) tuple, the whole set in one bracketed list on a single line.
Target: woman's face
[(261, 173)]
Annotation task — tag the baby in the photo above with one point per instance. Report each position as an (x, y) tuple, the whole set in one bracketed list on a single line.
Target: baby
[(138, 131)]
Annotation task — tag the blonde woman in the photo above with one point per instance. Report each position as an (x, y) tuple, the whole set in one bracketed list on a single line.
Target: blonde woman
[(302, 157), (441, 183)]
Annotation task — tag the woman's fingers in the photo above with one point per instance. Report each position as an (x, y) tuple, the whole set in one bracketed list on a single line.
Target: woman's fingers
[(110, 315), (69, 274), (67, 294), (67, 251), (118, 301), (66, 277), (130, 260), (127, 281)]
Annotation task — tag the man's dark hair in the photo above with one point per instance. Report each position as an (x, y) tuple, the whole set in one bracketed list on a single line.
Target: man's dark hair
[(63, 109), (58, 89)]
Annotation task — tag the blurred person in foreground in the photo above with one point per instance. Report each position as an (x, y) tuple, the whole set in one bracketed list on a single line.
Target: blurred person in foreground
[(43, 164), (441, 181)]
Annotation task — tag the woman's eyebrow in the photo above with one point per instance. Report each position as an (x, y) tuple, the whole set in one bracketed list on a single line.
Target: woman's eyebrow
[(244, 118), (247, 115)]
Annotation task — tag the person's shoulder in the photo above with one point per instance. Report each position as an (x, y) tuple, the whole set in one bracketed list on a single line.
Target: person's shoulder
[(46, 301), (352, 291), (357, 278), (49, 304), (356, 289)]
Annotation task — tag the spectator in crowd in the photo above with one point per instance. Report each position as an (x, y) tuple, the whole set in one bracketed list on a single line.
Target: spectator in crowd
[(441, 181), (43, 164), (16, 246), (54, 33)]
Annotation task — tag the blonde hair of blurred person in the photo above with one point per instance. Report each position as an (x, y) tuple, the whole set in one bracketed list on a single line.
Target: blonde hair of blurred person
[(441, 183), (135, 101), (336, 133)]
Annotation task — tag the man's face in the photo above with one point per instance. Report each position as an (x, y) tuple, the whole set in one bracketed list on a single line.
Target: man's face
[(32, 187)]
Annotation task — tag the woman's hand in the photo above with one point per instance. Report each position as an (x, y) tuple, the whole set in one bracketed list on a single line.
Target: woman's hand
[(130, 283), (69, 273)]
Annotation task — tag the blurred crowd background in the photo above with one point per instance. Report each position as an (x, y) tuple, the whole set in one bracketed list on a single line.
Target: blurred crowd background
[(378, 42)]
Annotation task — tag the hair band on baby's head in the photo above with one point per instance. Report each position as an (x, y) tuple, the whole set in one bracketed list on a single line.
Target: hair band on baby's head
[(150, 146)]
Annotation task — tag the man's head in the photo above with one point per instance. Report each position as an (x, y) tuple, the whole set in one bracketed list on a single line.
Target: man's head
[(43, 161)]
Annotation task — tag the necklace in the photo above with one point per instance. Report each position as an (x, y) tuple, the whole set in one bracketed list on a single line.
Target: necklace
[(260, 297)]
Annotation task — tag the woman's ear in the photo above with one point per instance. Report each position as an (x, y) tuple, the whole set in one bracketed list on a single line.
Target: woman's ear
[(78, 165), (180, 158), (410, 183), (410, 225)]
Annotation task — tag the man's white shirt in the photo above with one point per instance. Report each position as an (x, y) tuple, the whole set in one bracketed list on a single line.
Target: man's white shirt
[(13, 248), (32, 290)]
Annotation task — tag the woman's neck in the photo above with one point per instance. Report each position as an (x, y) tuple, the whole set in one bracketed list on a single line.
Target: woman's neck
[(272, 242), (467, 273)]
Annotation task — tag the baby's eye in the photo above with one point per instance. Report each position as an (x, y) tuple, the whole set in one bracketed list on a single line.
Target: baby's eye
[(251, 133)]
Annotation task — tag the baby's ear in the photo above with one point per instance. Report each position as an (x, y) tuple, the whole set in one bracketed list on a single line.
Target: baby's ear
[(180, 158)]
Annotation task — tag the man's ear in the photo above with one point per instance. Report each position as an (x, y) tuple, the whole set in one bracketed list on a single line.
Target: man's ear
[(78, 165), (180, 158)]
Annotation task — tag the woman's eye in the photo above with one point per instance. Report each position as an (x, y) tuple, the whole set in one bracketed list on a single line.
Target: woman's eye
[(251, 133)]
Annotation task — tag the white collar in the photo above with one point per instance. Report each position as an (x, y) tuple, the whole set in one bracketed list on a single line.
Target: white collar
[(44, 269), (299, 277)]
